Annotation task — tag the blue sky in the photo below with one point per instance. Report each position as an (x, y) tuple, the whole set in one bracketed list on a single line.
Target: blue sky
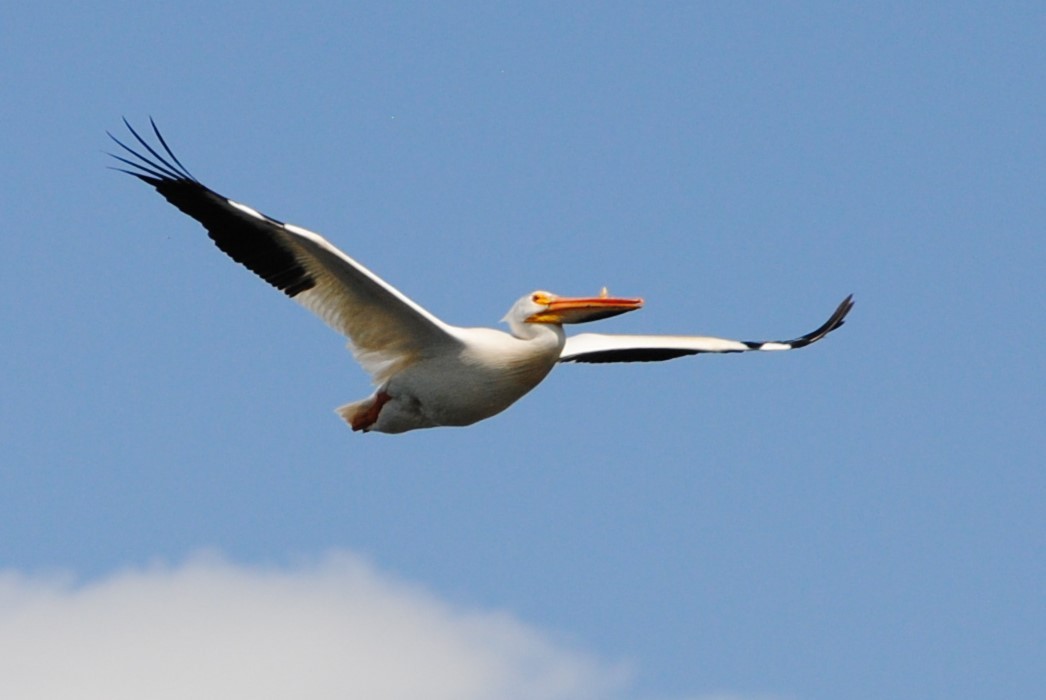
[(862, 519)]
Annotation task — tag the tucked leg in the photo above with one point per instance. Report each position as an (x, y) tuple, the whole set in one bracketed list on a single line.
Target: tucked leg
[(364, 419)]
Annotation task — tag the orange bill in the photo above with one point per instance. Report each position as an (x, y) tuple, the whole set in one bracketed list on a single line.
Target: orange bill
[(583, 309)]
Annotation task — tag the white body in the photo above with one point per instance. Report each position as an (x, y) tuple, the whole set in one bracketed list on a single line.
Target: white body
[(488, 373)]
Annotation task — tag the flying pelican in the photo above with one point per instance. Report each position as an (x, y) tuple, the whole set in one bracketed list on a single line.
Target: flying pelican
[(428, 373)]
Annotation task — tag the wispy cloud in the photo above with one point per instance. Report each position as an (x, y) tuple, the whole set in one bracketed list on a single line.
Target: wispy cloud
[(334, 629)]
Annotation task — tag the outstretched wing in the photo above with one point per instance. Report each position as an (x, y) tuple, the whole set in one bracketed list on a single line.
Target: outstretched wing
[(386, 330), (595, 347)]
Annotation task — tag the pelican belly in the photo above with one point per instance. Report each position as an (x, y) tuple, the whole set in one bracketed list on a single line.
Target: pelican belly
[(479, 381)]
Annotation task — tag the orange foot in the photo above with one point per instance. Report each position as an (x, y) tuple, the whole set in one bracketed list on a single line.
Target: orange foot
[(363, 420)]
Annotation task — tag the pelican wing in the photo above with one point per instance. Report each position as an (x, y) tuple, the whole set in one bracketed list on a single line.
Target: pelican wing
[(386, 330), (595, 347)]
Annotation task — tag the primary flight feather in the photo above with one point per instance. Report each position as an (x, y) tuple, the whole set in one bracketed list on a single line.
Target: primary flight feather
[(428, 373)]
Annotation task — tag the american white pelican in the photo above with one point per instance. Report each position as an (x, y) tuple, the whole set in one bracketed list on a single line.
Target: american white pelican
[(428, 373)]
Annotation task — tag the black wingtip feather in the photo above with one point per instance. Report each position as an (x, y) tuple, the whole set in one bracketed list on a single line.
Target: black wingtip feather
[(147, 174), (178, 173), (251, 241), (159, 136), (835, 321)]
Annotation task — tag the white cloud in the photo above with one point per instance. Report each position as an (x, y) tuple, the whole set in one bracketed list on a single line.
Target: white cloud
[(335, 629), (735, 696)]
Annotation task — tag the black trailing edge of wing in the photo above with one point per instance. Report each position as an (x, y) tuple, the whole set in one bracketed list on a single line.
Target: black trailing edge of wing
[(252, 241), (632, 355)]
